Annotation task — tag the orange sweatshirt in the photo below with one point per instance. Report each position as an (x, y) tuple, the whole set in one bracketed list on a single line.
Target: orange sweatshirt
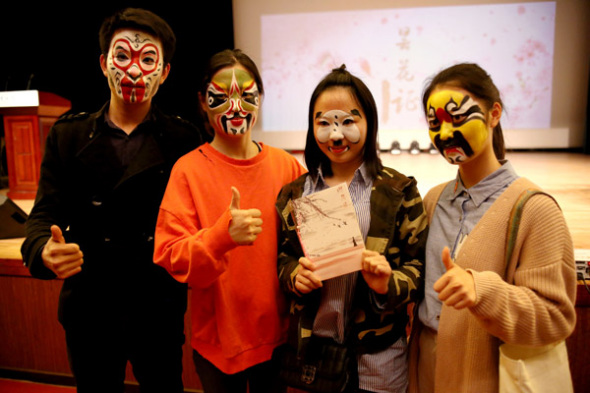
[(239, 314)]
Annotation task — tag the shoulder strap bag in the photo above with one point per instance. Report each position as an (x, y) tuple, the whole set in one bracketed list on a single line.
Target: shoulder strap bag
[(529, 369)]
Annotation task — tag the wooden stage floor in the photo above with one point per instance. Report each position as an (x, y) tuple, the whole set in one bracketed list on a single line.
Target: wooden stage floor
[(565, 175)]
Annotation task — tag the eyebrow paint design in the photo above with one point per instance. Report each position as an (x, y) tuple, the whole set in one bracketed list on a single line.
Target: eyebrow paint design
[(353, 111)]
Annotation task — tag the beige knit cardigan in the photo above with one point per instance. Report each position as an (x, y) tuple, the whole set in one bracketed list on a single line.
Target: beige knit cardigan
[(537, 310)]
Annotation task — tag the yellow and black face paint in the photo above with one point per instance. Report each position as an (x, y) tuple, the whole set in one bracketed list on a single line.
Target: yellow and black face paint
[(457, 125)]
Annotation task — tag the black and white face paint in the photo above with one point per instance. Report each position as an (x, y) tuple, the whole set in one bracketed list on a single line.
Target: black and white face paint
[(336, 125)]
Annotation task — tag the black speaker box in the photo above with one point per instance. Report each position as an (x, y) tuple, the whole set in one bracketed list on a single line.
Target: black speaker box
[(12, 219)]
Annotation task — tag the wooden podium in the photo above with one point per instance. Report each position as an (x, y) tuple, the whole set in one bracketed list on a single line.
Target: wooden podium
[(28, 116)]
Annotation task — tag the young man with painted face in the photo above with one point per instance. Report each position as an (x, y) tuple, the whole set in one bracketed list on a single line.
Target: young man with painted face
[(217, 231), (102, 180), (469, 308)]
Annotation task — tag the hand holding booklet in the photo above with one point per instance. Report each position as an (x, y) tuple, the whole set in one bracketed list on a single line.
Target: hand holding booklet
[(329, 231)]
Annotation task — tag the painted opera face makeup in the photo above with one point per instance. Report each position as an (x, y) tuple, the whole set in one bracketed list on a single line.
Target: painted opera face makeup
[(340, 127), (457, 124), (135, 66), (232, 101)]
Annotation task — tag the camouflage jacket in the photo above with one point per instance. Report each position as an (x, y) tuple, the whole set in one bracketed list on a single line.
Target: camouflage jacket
[(398, 230)]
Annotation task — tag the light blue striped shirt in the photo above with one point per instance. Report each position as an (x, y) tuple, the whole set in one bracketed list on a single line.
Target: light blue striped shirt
[(381, 372), (457, 212)]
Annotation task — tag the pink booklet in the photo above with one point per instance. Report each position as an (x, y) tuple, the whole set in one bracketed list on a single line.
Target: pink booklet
[(329, 231)]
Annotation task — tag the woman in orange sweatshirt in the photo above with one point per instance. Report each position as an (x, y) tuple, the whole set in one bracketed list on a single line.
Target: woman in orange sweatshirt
[(217, 231)]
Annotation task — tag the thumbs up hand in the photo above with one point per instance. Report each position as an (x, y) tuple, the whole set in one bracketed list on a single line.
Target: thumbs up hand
[(456, 287), (235, 199), (63, 259), (57, 235), (446, 259), (245, 225)]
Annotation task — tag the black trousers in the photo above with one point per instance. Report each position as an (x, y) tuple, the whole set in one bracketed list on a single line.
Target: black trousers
[(262, 378), (149, 336)]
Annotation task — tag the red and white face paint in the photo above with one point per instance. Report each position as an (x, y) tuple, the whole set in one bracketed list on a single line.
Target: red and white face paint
[(135, 65)]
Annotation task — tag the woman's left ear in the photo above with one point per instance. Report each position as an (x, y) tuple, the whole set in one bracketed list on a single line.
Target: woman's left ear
[(495, 114)]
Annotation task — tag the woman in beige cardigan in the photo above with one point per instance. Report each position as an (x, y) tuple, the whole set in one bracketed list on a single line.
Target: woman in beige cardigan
[(472, 302)]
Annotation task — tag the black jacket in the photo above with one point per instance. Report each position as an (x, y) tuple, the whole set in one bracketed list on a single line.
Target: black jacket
[(110, 211)]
